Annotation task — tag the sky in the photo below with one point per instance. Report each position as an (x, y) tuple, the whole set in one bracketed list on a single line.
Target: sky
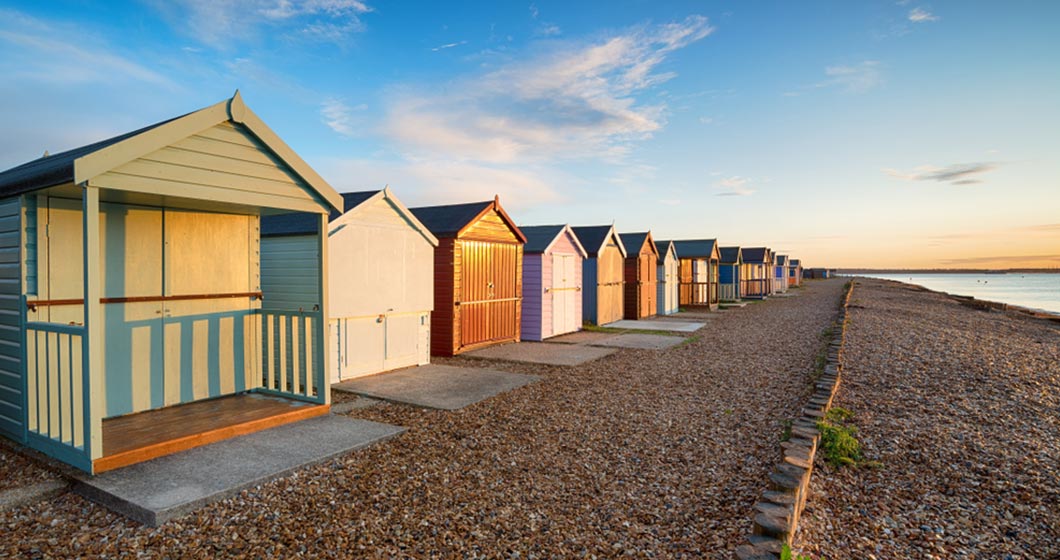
[(848, 134)]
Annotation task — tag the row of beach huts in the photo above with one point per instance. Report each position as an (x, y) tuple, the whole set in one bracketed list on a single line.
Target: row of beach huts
[(152, 282)]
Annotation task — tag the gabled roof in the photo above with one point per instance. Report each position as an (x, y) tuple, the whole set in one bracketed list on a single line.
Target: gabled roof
[(450, 220), (634, 242), (302, 223), (87, 162), (594, 238), (731, 255), (794, 262), (781, 260), (697, 248), (539, 239), (757, 255), (664, 248)]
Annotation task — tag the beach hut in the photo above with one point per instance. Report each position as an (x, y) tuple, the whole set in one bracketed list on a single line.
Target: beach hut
[(478, 276), (602, 274), (729, 281), (641, 275), (699, 260), (132, 322), (552, 282), (758, 272), (794, 272), (381, 279), (780, 273), (668, 277)]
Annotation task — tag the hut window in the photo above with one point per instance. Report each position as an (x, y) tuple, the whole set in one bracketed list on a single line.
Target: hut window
[(30, 222)]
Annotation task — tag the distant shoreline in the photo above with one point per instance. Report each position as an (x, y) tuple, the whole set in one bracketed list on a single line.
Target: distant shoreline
[(987, 304), (948, 270)]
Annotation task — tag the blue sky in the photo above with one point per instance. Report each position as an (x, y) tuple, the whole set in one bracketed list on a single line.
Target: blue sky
[(848, 133)]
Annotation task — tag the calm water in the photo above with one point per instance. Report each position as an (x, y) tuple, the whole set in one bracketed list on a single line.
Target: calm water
[(1037, 291)]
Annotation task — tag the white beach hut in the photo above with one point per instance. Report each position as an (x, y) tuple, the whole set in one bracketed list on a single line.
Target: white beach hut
[(381, 281)]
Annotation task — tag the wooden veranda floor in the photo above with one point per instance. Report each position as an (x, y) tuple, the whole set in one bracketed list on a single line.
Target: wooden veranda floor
[(147, 435)]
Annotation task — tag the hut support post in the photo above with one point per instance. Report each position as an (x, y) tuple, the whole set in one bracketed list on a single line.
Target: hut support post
[(92, 350), (323, 376)]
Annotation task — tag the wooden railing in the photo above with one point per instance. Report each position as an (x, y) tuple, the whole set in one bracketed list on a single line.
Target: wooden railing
[(756, 288), (57, 385), (290, 364), (728, 292)]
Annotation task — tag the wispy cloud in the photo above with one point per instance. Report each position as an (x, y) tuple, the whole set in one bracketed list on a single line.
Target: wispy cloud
[(567, 100), (956, 174), (920, 15), (35, 50), (219, 23), (733, 186), (856, 78), (448, 46), (339, 116)]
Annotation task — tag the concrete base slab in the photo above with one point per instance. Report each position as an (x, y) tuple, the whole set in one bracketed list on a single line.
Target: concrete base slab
[(436, 386), (661, 325), (733, 305), (31, 494), (162, 489), (543, 353), (694, 315), (784, 294), (581, 337), (641, 341), (356, 404)]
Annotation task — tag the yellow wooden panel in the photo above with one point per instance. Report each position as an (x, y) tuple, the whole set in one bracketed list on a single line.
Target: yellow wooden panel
[(206, 253)]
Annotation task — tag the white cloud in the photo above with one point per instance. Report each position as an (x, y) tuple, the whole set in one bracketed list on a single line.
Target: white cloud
[(221, 22), (956, 174), (706, 120), (733, 186), (339, 116), (920, 15), (856, 78), (448, 46), (567, 100)]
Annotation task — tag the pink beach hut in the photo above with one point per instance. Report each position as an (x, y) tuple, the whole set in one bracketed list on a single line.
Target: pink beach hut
[(552, 282)]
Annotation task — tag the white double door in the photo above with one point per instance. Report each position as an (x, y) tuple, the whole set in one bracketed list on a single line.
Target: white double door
[(564, 290)]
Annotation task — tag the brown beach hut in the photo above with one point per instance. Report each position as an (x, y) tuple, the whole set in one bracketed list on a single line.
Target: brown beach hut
[(478, 275), (699, 260), (602, 274), (640, 275)]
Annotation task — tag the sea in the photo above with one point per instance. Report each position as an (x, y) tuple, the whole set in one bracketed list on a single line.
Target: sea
[(1035, 290)]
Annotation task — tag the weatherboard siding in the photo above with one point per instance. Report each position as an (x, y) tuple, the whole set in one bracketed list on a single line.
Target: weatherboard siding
[(224, 163), (12, 415), (533, 297)]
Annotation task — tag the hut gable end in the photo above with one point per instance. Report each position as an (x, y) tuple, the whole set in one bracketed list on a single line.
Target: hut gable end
[(224, 162), (491, 226)]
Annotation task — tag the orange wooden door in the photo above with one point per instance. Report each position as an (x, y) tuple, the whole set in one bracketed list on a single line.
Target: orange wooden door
[(489, 293)]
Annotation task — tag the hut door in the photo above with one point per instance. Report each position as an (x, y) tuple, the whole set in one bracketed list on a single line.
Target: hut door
[(610, 272), (647, 266), (210, 342), (564, 294), (488, 291)]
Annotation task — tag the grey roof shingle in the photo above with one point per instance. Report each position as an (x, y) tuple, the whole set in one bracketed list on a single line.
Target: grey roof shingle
[(592, 237), (633, 241), (447, 220), (731, 255), (755, 254), (695, 248), (301, 223), (58, 168), (538, 238)]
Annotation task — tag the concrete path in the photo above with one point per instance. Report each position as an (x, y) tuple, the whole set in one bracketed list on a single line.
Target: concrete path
[(581, 337), (543, 353), (436, 386), (694, 315), (661, 325), (641, 341), (168, 487), (741, 305)]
